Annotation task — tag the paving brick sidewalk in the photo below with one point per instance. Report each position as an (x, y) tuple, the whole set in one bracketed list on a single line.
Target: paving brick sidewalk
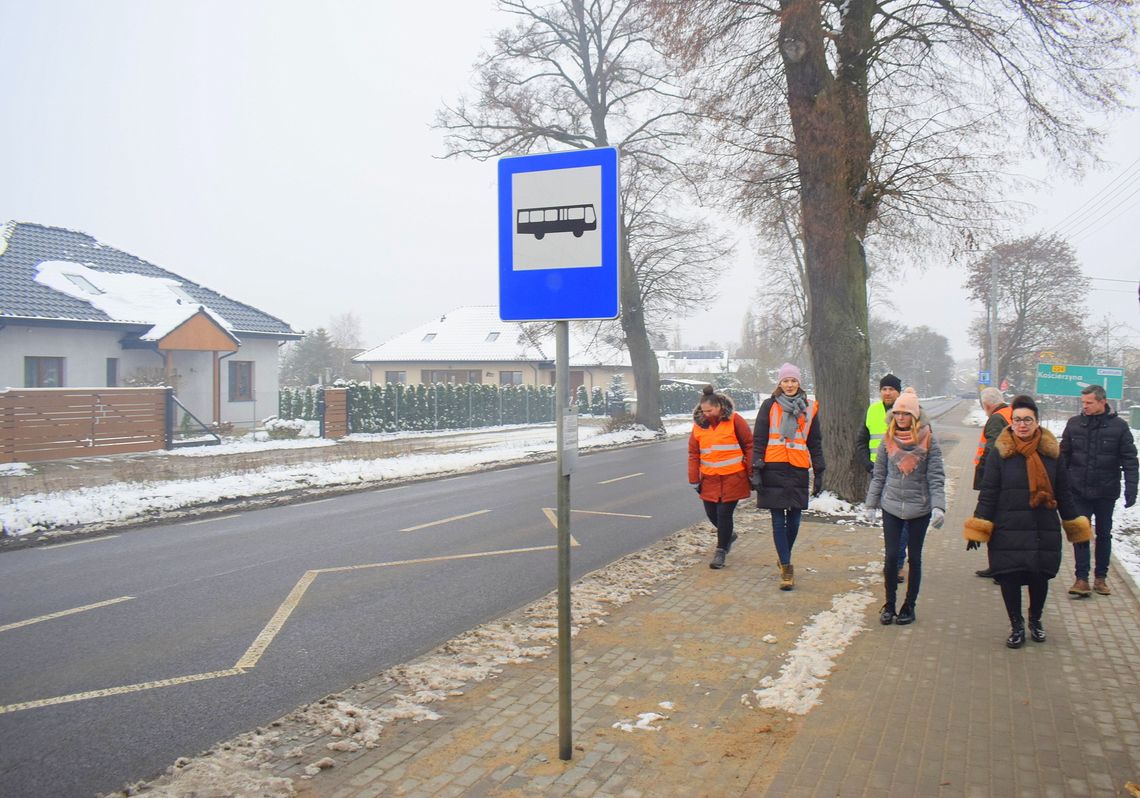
[(940, 708)]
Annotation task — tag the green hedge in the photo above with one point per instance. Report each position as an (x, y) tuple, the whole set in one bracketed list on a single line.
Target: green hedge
[(393, 408)]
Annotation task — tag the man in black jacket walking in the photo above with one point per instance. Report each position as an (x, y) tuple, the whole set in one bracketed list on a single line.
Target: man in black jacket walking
[(1096, 448)]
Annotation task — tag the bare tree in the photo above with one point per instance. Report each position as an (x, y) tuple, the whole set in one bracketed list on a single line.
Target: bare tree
[(583, 74), (1040, 302), (889, 117)]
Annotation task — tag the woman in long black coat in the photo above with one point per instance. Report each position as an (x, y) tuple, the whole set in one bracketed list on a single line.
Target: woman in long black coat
[(787, 446), (1024, 495)]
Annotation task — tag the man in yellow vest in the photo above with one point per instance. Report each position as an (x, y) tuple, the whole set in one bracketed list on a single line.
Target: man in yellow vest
[(871, 435)]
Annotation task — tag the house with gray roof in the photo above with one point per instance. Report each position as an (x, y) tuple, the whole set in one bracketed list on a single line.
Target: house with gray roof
[(77, 313), (472, 344)]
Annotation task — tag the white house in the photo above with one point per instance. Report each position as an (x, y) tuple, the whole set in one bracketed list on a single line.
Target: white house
[(77, 313), (471, 344)]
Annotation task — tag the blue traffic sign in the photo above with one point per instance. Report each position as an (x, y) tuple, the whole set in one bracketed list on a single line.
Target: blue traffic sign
[(984, 377), (558, 236)]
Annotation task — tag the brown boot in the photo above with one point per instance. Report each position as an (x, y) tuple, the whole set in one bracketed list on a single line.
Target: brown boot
[(1100, 585), (787, 577), (1080, 588)]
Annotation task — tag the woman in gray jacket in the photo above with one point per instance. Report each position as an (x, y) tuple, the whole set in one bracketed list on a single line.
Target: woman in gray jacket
[(908, 483)]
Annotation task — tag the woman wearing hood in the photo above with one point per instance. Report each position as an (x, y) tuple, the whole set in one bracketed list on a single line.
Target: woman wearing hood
[(787, 445), (908, 483), (1024, 495), (720, 459)]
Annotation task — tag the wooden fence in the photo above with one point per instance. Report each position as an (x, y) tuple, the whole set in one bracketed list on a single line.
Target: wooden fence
[(334, 420), (51, 423)]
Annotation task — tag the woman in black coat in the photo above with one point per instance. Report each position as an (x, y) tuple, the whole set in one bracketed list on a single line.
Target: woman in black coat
[(1023, 489), (787, 445)]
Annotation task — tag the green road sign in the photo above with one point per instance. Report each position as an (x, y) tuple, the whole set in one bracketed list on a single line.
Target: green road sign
[(1057, 380)]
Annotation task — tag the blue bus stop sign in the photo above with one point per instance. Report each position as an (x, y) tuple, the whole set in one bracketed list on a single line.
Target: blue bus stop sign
[(558, 236)]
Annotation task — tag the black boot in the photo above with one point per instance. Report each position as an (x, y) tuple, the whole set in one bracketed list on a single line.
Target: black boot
[(1036, 630), (906, 614), (718, 559), (887, 614), (1016, 637)]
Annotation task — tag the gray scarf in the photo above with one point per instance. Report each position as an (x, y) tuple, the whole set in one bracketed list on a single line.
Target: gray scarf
[(794, 408)]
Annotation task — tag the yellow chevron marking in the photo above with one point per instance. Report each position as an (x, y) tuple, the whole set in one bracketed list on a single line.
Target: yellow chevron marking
[(63, 613)]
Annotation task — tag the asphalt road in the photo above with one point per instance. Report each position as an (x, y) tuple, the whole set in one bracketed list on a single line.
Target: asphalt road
[(189, 601)]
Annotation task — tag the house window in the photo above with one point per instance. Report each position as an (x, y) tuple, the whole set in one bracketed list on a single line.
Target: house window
[(431, 376), (241, 380), (510, 378), (43, 372), (397, 377), (492, 337), (429, 338), (112, 372)]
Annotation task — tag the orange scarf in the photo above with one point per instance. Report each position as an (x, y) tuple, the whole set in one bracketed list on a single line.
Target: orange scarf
[(1040, 488)]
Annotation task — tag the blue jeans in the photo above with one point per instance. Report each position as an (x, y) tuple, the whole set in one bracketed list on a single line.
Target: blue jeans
[(893, 527), (785, 527), (1101, 509)]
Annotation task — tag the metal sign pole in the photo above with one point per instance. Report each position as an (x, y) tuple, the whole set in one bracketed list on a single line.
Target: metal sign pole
[(561, 381)]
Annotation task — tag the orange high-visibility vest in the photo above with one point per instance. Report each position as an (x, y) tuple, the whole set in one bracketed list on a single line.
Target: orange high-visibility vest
[(1006, 413), (795, 450), (720, 450)]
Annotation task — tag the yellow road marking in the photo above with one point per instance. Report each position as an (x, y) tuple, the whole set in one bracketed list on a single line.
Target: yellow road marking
[(76, 543), (445, 520), (250, 658), (208, 520), (262, 641), (271, 630), (62, 613), (619, 479), (127, 688)]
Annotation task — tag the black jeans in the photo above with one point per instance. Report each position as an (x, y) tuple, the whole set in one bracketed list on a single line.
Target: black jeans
[(916, 536), (1011, 593), (720, 513)]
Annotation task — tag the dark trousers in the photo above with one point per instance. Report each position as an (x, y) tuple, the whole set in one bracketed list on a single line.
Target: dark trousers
[(892, 534), (720, 514), (1101, 511), (1011, 594)]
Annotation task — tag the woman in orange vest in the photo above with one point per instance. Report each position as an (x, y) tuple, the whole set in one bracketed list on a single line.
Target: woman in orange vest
[(787, 443), (720, 459)]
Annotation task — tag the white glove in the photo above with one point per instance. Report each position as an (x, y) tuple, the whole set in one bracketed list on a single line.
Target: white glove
[(937, 517), (868, 516)]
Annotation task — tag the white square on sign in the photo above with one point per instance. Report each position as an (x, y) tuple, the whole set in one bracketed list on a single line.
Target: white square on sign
[(555, 220)]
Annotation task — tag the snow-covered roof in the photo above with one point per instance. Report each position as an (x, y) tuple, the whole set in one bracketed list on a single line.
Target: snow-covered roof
[(50, 274), (476, 334)]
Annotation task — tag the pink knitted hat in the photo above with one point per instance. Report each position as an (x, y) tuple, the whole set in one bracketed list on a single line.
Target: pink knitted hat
[(788, 370), (906, 403)]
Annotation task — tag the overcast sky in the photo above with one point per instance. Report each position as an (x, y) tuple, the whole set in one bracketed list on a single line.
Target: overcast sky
[(282, 153)]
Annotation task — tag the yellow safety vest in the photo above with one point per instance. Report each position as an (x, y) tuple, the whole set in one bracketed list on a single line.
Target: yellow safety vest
[(876, 425)]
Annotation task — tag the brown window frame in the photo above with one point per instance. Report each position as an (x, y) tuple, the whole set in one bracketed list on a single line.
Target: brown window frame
[(35, 372), (235, 381)]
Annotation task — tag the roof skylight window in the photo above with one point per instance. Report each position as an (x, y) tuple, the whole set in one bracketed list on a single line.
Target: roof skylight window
[(429, 338), (84, 285), (178, 292), (492, 337)]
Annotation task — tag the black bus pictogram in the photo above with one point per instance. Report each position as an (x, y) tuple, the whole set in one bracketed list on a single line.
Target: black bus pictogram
[(574, 219)]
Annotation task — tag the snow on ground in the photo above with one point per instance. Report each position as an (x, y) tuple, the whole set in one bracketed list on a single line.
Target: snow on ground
[(797, 687), (109, 504), (14, 469), (245, 765)]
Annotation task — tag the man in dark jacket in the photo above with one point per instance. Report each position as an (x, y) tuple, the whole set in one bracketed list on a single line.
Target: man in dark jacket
[(1096, 448), (997, 419)]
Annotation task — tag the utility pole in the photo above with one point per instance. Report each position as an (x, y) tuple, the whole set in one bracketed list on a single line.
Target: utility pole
[(994, 378)]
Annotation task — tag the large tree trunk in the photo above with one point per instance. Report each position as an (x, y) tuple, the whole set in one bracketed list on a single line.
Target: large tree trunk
[(832, 141), (646, 377)]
